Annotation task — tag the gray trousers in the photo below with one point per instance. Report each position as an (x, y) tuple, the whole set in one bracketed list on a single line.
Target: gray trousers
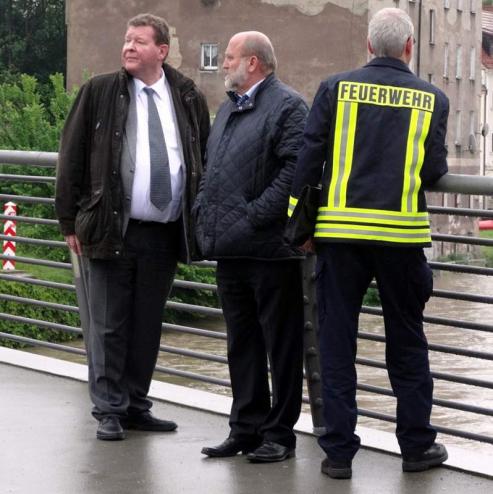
[(126, 302)]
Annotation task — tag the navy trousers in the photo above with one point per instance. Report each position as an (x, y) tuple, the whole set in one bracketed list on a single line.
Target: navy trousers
[(263, 307), (405, 282), (126, 303)]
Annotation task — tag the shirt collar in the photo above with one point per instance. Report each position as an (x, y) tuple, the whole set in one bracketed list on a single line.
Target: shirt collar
[(158, 86)]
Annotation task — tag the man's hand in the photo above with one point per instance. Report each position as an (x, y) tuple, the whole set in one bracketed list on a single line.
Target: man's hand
[(74, 244), (308, 246)]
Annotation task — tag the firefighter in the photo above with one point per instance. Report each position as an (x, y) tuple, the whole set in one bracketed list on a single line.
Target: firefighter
[(374, 138)]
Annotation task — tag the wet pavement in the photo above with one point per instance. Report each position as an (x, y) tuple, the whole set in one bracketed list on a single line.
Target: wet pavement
[(48, 445)]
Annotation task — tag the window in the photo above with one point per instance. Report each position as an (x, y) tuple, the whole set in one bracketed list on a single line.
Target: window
[(473, 6), (459, 5), (458, 65), (208, 56), (472, 64), (446, 4), (445, 61), (432, 27)]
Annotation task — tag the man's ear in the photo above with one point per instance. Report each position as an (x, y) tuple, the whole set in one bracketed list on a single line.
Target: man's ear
[(370, 48)]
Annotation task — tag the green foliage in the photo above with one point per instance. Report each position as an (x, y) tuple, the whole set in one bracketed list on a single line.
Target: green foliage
[(198, 274), (487, 251), (35, 312), (371, 297), (33, 37)]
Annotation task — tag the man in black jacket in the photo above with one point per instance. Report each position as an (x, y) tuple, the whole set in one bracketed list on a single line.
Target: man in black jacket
[(129, 165), (374, 137), (251, 154)]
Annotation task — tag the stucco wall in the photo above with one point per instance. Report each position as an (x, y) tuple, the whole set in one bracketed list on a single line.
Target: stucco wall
[(312, 38)]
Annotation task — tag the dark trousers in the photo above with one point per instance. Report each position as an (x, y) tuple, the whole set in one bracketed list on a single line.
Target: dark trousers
[(126, 302), (263, 307), (405, 282)]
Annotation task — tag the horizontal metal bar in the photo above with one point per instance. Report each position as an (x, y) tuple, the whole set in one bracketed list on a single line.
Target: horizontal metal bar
[(442, 321), (42, 343), (37, 262), (34, 200), (463, 184), (192, 375), (460, 268), (27, 219), (194, 354), (205, 264), (38, 303), (473, 213), (463, 296), (481, 383), (34, 241), (453, 405), (193, 308), (41, 324), (31, 158), (434, 347), (462, 239), (194, 285), (443, 430), (34, 281), (195, 331), (26, 178)]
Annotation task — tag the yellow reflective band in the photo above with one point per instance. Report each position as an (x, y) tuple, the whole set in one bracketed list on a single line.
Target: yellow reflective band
[(342, 159), (372, 212), (376, 94), (418, 130), (292, 204), (328, 217), (336, 157), (368, 232)]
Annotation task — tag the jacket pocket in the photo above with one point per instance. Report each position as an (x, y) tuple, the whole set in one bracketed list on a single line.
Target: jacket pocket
[(92, 220)]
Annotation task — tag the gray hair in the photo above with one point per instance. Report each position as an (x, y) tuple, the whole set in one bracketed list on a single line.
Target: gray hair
[(388, 32), (158, 24), (259, 44)]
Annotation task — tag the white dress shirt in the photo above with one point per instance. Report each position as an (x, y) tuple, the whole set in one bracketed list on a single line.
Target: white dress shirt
[(141, 207)]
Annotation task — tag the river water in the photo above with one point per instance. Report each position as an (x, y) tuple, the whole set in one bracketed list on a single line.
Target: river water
[(440, 362)]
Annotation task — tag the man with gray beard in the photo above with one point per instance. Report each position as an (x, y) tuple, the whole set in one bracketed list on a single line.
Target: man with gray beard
[(251, 155)]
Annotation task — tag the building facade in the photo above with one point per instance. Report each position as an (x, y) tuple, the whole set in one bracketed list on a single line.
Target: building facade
[(312, 38)]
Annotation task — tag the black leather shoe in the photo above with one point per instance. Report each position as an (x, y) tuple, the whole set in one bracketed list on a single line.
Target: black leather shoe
[(337, 469), (269, 451), (230, 447), (435, 455), (110, 429), (147, 422)]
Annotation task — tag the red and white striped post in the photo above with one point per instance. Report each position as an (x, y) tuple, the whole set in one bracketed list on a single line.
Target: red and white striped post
[(9, 228)]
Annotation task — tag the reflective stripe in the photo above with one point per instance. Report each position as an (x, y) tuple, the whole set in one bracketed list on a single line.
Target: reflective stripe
[(369, 232), (292, 204), (418, 130), (342, 159), (373, 216)]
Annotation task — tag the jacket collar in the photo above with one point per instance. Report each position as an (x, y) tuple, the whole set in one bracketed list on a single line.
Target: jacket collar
[(394, 63), (250, 104)]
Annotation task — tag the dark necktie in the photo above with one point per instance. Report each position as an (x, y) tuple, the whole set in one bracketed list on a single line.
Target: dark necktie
[(160, 175)]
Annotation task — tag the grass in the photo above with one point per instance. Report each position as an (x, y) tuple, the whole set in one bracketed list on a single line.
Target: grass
[(46, 273), (487, 251)]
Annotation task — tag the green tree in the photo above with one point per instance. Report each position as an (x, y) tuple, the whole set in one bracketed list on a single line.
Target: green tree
[(32, 37)]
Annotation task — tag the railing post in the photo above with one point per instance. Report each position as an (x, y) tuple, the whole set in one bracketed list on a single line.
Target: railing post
[(9, 228), (310, 344)]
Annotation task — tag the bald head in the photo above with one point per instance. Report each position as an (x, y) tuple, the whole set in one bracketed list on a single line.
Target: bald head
[(257, 44)]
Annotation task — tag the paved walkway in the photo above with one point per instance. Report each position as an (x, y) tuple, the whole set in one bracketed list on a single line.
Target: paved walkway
[(48, 445)]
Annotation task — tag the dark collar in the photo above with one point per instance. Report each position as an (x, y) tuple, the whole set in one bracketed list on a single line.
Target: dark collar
[(394, 63)]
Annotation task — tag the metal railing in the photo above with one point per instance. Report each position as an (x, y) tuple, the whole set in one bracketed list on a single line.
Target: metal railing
[(448, 186)]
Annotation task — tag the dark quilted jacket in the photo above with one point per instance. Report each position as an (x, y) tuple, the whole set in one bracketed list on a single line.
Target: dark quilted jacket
[(250, 162)]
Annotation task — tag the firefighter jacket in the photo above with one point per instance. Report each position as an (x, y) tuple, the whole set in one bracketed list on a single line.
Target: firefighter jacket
[(374, 137)]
